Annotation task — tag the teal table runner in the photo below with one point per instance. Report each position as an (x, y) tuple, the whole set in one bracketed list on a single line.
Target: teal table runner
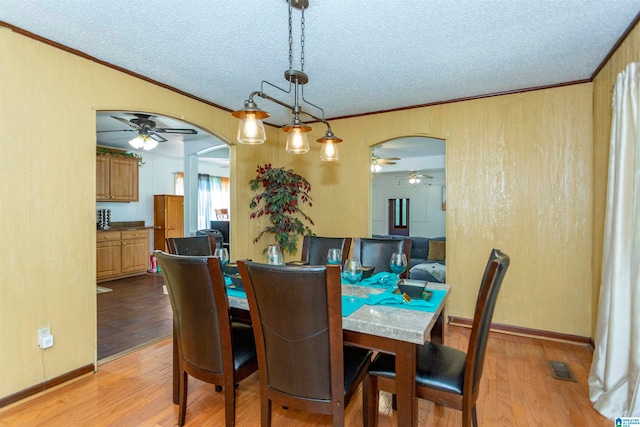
[(395, 300), (383, 279), (349, 307)]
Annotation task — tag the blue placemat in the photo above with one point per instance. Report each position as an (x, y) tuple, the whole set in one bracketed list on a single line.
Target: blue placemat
[(395, 300), (383, 279), (349, 307)]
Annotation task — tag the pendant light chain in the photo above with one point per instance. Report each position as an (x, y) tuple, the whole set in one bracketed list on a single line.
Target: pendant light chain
[(302, 42), (290, 40)]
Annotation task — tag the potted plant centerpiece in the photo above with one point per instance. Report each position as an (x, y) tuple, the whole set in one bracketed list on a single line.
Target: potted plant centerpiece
[(281, 192)]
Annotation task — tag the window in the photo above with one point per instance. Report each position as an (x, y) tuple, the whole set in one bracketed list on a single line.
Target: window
[(399, 217), (178, 183), (213, 193)]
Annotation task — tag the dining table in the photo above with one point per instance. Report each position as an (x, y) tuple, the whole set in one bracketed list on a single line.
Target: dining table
[(394, 329)]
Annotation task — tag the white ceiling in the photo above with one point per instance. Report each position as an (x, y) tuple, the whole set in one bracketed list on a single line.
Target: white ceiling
[(360, 56)]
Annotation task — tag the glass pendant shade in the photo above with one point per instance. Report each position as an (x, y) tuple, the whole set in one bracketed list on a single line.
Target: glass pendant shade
[(297, 142), (251, 130), (251, 126), (329, 152)]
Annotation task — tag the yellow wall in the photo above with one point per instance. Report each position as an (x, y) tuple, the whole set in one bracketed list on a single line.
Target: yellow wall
[(518, 178), (519, 172), (48, 107), (628, 52)]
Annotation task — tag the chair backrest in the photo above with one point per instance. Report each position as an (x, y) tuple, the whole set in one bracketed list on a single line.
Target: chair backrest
[(216, 239), (200, 310), (314, 248), (190, 246), (300, 354), (377, 253), (494, 272)]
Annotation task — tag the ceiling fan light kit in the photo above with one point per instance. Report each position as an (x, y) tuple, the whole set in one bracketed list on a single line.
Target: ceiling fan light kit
[(251, 126), (143, 141)]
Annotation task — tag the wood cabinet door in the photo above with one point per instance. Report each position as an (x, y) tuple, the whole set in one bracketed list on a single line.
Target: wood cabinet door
[(135, 255), (102, 178), (175, 216), (108, 258), (123, 184)]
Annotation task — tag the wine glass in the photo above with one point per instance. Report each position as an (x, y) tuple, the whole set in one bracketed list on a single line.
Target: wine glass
[(334, 256), (223, 256), (274, 255), (398, 264), (352, 273)]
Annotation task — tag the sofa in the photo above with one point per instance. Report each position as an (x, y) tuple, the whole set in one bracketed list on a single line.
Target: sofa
[(424, 265)]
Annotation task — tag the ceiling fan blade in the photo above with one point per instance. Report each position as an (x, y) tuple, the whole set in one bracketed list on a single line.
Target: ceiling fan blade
[(385, 162), (116, 130), (127, 122), (157, 137), (391, 158), (175, 130)]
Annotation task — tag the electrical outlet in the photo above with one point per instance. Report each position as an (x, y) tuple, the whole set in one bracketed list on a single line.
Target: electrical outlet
[(43, 332), (45, 339)]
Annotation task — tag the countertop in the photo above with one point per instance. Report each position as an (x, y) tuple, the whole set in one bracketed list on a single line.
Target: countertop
[(126, 226)]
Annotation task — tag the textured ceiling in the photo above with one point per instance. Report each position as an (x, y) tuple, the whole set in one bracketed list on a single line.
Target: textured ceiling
[(360, 56)]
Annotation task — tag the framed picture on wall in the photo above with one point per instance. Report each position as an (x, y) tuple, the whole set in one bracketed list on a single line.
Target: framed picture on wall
[(444, 198)]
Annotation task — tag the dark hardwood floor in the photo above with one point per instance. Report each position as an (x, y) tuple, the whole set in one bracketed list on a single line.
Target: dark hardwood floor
[(136, 313)]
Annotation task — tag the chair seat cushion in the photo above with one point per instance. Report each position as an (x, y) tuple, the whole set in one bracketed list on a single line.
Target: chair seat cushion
[(355, 360), (244, 345), (439, 367)]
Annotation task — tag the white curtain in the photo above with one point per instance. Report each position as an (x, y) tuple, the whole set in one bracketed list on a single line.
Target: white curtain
[(211, 196), (614, 381)]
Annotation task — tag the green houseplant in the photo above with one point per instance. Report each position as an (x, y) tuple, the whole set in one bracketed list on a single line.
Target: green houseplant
[(283, 192)]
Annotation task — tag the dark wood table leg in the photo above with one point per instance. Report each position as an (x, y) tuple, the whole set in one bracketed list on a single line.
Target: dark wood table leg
[(406, 357), (437, 333), (176, 369)]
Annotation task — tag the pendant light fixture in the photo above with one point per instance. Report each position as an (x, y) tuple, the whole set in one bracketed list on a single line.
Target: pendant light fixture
[(251, 126)]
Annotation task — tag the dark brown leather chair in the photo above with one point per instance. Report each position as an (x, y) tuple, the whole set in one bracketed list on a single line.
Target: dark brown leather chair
[(445, 375), (377, 253), (216, 239), (315, 249), (297, 318), (190, 246), (210, 347)]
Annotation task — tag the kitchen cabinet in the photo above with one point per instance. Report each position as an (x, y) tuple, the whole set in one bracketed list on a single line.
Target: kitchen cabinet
[(116, 179), (121, 253), (168, 214)]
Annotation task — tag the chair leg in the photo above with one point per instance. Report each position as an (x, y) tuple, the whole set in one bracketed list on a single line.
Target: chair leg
[(469, 417), (265, 411), (370, 399), (230, 406), (182, 409)]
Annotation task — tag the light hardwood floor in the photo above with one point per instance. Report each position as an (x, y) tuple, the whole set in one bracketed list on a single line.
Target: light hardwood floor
[(135, 390)]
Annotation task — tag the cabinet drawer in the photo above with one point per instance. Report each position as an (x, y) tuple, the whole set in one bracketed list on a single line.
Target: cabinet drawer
[(106, 236), (135, 234)]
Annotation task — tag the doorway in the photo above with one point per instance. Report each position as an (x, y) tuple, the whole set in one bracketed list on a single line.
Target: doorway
[(411, 169), (123, 323)]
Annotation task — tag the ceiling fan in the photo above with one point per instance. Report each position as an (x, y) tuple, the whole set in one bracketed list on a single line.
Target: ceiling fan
[(414, 177), (148, 132), (376, 162)]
